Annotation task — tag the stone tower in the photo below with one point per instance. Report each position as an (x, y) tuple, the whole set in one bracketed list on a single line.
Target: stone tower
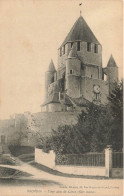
[(79, 78), (89, 49)]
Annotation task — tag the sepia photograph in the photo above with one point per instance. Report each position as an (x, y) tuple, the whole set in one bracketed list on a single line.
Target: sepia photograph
[(61, 98)]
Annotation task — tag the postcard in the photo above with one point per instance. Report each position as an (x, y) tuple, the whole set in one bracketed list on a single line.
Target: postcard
[(61, 98)]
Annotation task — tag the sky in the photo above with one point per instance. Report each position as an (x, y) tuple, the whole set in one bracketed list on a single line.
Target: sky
[(31, 31)]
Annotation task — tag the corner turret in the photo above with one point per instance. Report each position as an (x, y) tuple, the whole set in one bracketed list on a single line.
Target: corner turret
[(73, 72), (111, 62), (73, 52), (112, 73), (49, 76), (51, 67)]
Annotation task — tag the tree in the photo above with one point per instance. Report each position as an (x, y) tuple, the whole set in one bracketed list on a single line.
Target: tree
[(116, 107), (96, 124), (89, 134), (116, 100)]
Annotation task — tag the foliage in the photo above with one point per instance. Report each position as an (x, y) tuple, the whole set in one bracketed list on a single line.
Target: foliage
[(97, 127), (116, 101), (116, 108), (44, 143), (85, 135)]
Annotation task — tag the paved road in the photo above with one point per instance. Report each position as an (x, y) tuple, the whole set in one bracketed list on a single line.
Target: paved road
[(71, 185)]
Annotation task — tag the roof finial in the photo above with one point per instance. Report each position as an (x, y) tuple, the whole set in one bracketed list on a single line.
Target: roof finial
[(80, 4)]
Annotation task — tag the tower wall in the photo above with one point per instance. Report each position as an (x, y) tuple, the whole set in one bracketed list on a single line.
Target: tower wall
[(60, 72), (73, 72), (87, 89), (112, 77), (112, 74), (92, 72), (62, 58), (49, 77), (90, 57), (87, 57), (73, 86)]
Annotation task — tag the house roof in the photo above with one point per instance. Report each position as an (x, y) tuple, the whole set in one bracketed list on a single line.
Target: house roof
[(51, 67), (54, 98), (80, 32), (67, 100), (111, 62)]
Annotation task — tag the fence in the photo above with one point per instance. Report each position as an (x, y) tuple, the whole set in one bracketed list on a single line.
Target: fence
[(88, 159), (117, 160), (108, 164)]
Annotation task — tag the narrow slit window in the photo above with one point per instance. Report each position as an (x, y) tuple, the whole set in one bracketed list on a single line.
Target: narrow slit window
[(71, 44), (89, 47), (78, 46), (64, 49), (71, 71), (97, 96), (96, 48)]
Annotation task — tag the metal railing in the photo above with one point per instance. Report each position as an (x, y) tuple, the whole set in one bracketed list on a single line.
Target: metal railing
[(117, 159), (88, 159)]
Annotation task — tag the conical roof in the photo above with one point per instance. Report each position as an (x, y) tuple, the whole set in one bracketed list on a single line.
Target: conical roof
[(73, 52), (80, 32), (51, 67), (111, 62)]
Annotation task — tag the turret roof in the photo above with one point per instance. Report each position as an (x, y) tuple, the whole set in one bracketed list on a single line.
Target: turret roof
[(111, 62), (73, 52), (51, 67), (80, 32)]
